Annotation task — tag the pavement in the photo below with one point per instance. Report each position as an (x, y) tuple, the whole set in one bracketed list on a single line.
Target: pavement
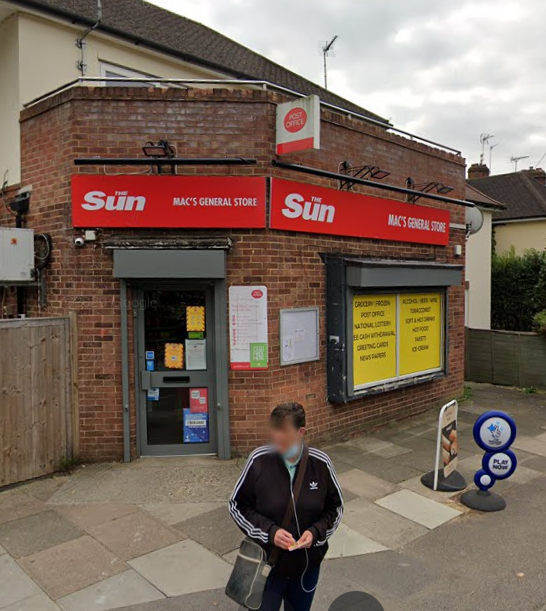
[(156, 535)]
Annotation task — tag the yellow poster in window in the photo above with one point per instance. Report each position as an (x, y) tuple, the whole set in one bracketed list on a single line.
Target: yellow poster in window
[(195, 318), (174, 356), (374, 338), (420, 332)]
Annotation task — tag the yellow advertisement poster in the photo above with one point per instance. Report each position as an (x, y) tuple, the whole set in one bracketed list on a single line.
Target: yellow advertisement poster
[(420, 332), (374, 338), (195, 318)]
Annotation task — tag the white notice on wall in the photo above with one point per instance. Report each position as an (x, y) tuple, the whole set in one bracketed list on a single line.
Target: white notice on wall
[(248, 327)]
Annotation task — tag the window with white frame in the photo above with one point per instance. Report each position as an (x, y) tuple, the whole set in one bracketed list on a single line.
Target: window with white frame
[(112, 71)]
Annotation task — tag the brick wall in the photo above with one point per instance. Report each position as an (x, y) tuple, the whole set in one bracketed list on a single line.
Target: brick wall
[(117, 122)]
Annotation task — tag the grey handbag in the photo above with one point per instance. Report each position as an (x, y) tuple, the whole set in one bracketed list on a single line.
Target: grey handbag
[(246, 584)]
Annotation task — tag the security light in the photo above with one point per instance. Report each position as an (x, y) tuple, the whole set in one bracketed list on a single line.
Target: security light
[(426, 187), (160, 150), (443, 189), (364, 171)]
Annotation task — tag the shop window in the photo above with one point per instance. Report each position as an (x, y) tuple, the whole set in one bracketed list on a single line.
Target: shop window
[(396, 336), (386, 324)]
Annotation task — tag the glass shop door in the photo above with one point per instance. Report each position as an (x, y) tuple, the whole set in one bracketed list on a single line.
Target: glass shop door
[(176, 365)]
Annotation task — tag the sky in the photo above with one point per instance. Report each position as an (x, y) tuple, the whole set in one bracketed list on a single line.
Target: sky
[(447, 71)]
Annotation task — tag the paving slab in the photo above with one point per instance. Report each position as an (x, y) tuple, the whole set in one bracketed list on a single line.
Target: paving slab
[(368, 443), (26, 507), (181, 482), (183, 568), (15, 584), (364, 485), (92, 514), (414, 484), (215, 530), (135, 535), (38, 602), (2, 551), (231, 557), (386, 574), (36, 532), (418, 508), (348, 496), (347, 542), (381, 525), (174, 513), (524, 475), (44, 489), (533, 445), (537, 463), (210, 600), (127, 588), (393, 470), (12, 497), (391, 451), (72, 566)]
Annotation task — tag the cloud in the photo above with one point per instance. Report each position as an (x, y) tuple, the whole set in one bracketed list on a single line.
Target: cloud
[(448, 71)]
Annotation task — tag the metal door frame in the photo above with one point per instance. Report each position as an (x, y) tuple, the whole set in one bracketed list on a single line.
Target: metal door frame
[(216, 314)]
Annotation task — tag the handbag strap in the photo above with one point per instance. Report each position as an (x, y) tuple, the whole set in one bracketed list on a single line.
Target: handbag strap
[(298, 483)]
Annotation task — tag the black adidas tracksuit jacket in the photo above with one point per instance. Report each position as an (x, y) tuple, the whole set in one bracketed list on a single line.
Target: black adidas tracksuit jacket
[(262, 494)]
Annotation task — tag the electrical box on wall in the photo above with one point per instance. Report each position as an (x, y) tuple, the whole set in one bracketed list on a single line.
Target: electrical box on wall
[(16, 255)]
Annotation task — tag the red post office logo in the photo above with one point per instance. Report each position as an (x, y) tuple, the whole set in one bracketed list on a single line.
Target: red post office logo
[(257, 294), (295, 120)]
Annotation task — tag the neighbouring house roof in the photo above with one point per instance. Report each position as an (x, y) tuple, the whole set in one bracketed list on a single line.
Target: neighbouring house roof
[(178, 36), (523, 195), (481, 199)]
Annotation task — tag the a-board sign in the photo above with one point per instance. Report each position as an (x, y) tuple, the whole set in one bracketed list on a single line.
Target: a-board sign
[(495, 432), (449, 439)]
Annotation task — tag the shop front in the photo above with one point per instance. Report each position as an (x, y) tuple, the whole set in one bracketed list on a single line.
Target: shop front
[(208, 293)]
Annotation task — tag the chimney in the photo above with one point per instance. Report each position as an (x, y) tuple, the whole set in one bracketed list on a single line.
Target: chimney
[(537, 174), (478, 170)]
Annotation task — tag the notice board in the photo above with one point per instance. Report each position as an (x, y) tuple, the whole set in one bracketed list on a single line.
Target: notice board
[(300, 337)]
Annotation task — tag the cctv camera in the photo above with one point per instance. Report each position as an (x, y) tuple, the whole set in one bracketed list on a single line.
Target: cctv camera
[(79, 242)]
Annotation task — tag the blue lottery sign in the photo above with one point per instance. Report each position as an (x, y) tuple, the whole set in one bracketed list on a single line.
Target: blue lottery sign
[(495, 432)]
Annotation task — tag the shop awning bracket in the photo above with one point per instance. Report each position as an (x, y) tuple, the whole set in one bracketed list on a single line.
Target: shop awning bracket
[(159, 163), (294, 167)]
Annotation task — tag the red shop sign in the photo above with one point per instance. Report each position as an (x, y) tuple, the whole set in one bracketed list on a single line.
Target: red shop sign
[(305, 208), (168, 201)]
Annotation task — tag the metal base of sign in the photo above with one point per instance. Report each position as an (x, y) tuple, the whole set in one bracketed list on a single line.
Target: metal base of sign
[(483, 500), (454, 482)]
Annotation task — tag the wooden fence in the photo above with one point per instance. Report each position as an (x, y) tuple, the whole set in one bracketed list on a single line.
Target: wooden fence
[(37, 416), (506, 357)]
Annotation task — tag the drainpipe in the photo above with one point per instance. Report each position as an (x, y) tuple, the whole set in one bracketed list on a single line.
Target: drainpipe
[(80, 43)]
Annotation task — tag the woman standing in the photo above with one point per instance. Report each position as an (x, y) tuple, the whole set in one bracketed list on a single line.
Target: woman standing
[(264, 492)]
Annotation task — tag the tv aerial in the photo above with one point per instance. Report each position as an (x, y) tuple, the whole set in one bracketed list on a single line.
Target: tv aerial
[(484, 140), (326, 48), (515, 161)]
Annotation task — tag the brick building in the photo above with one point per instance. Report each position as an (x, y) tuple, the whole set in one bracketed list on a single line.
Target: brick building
[(131, 287)]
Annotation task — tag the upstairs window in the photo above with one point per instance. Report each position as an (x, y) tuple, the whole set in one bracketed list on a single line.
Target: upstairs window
[(112, 71)]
